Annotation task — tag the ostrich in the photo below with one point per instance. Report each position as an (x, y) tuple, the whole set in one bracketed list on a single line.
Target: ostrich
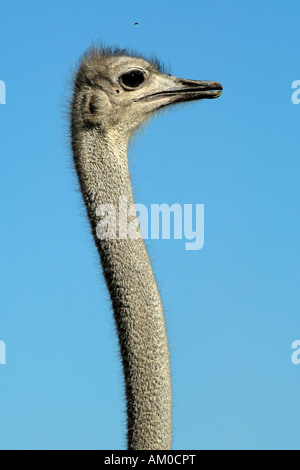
[(114, 92)]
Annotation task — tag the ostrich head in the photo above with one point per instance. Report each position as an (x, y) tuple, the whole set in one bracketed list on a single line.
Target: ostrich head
[(117, 91)]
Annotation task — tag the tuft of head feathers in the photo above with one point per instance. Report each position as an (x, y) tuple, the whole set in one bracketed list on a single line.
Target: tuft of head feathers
[(96, 50)]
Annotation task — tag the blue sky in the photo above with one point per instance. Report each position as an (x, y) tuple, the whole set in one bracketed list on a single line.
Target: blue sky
[(232, 308)]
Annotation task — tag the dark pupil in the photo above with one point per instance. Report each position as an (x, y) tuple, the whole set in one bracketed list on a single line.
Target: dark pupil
[(133, 79)]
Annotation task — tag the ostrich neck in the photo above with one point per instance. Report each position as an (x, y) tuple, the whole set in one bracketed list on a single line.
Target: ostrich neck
[(102, 167)]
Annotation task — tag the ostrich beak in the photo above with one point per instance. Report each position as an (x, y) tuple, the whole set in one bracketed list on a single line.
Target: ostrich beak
[(196, 89), (176, 90)]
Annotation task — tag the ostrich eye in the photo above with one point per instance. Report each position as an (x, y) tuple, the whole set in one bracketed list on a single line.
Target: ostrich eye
[(132, 79)]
